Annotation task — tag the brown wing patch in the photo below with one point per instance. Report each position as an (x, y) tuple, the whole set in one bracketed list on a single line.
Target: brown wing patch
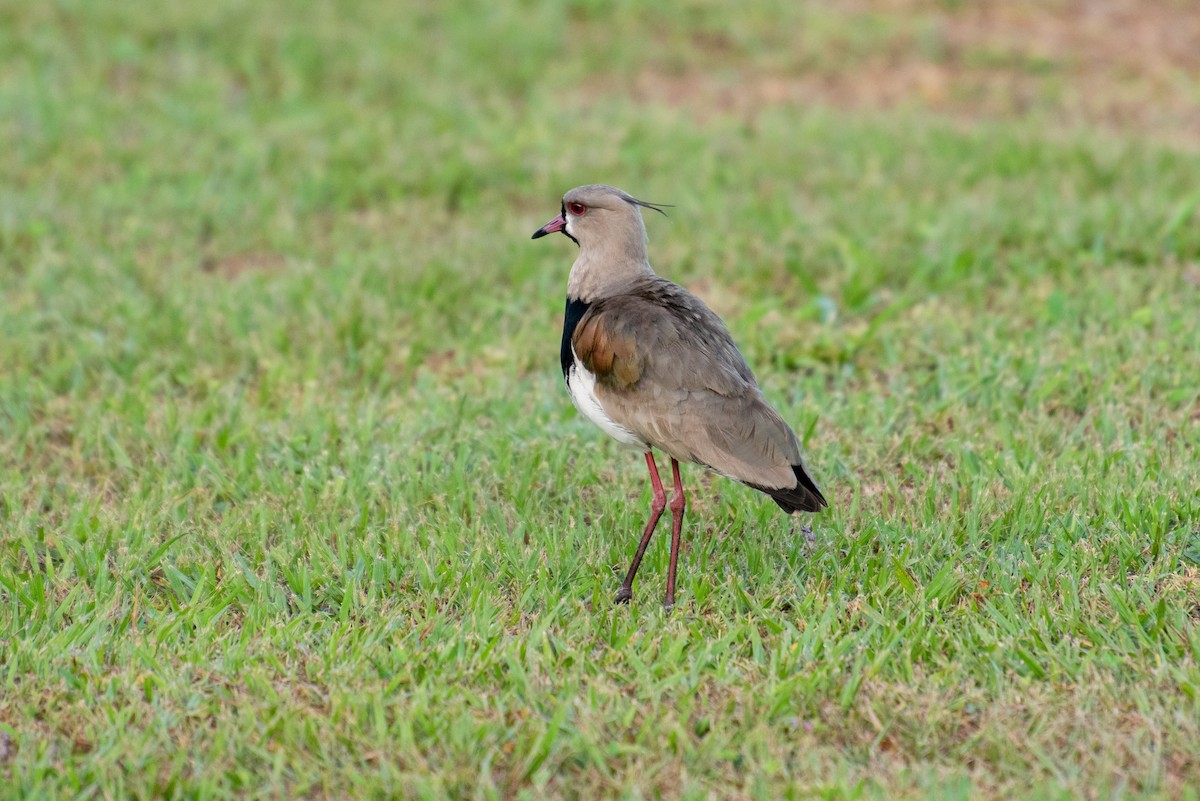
[(609, 352)]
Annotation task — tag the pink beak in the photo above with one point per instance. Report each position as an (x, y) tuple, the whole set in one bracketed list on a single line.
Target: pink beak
[(557, 224)]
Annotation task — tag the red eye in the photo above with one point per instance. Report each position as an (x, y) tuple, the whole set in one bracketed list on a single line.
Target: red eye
[(576, 208)]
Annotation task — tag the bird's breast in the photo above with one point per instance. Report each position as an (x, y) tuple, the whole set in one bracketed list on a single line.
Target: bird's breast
[(581, 384), (571, 316)]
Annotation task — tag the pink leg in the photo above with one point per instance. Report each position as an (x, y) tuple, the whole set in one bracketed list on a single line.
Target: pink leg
[(656, 509), (678, 504)]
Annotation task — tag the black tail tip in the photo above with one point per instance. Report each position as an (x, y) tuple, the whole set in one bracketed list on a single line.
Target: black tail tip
[(804, 497)]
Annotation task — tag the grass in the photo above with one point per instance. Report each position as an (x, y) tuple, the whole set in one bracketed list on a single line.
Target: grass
[(293, 503)]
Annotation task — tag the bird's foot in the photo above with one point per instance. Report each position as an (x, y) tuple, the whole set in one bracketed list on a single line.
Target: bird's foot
[(624, 595)]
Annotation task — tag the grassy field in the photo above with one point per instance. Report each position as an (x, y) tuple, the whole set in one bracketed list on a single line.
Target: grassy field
[(293, 502)]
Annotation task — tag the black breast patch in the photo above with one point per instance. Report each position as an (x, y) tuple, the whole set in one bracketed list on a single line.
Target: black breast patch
[(571, 317)]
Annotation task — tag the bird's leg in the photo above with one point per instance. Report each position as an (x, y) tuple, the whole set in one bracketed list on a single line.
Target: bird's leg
[(678, 504), (656, 509)]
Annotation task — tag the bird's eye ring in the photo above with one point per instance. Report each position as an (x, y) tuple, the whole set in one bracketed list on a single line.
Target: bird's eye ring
[(576, 208)]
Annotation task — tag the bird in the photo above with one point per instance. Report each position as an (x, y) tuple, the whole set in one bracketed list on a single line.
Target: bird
[(655, 368)]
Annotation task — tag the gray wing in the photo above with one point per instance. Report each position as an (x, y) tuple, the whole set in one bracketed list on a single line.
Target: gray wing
[(668, 370)]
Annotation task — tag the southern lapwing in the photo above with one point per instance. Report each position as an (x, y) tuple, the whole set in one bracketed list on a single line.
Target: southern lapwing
[(654, 367)]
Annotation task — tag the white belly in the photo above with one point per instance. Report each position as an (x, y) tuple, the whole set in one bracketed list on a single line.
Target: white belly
[(582, 386)]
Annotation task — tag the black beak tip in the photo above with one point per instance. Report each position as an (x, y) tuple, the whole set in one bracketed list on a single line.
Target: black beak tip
[(538, 234)]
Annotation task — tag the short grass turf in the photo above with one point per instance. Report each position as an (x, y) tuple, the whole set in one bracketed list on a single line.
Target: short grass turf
[(293, 502)]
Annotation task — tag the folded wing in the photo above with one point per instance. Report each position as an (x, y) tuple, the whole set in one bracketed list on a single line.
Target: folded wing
[(667, 369)]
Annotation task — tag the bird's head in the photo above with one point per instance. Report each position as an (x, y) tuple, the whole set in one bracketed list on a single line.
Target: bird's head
[(598, 215)]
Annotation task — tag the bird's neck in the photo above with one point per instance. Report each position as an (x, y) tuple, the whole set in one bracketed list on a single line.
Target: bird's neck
[(600, 272)]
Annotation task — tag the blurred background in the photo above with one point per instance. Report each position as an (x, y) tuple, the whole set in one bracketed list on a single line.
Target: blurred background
[(419, 142)]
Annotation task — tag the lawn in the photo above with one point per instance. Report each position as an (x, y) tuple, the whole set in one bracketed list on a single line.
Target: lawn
[(293, 502)]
